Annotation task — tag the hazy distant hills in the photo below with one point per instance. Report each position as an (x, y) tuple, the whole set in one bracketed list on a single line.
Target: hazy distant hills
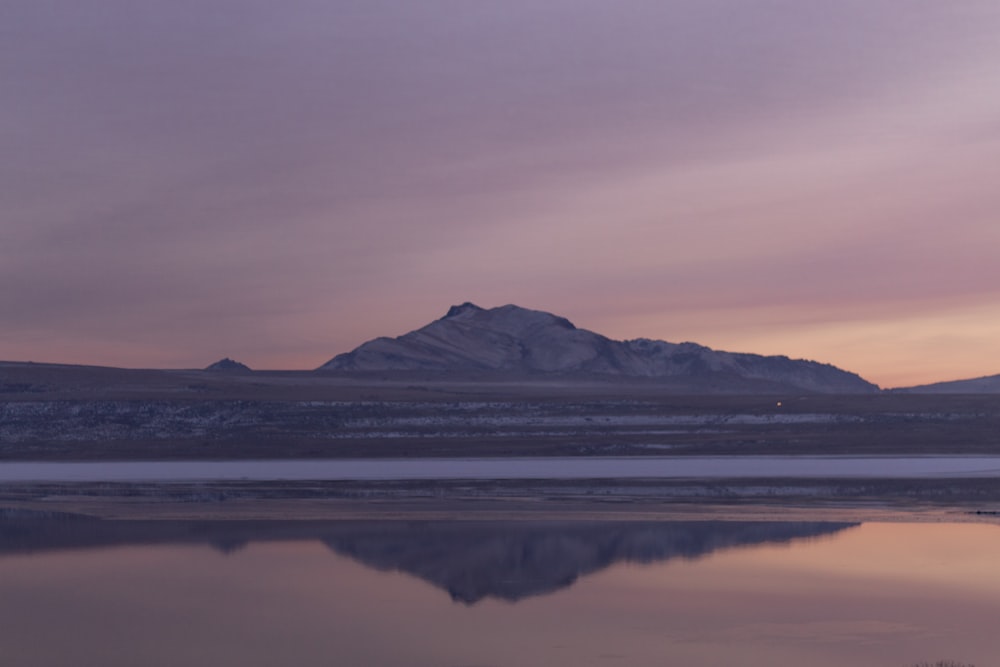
[(517, 341), (984, 385), (505, 347)]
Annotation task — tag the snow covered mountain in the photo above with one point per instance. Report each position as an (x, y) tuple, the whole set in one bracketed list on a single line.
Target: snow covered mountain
[(517, 341)]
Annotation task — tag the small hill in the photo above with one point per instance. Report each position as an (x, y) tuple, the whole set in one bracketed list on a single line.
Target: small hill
[(512, 340), (227, 365)]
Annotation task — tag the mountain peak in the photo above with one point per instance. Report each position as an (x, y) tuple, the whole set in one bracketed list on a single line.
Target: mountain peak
[(467, 307), (508, 318)]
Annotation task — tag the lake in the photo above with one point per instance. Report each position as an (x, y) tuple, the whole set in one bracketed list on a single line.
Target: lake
[(83, 592), (570, 467)]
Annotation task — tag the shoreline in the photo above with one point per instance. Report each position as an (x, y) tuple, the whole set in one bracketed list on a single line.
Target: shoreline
[(446, 469), (970, 500)]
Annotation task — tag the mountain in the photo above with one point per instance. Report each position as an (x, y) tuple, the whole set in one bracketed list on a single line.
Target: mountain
[(984, 385), (517, 341), (227, 365)]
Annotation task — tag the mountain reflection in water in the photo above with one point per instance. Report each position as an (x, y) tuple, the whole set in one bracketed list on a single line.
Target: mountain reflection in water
[(471, 560), (512, 561)]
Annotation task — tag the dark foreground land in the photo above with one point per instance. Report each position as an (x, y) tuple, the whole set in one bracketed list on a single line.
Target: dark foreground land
[(72, 413), (50, 412)]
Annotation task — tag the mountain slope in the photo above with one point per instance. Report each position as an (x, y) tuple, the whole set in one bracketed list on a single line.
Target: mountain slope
[(515, 340), (982, 385)]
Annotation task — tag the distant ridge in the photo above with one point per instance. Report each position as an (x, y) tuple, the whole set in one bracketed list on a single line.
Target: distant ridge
[(511, 340), (227, 365), (989, 384)]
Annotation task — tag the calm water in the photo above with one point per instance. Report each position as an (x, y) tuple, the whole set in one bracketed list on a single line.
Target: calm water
[(572, 467), (461, 594)]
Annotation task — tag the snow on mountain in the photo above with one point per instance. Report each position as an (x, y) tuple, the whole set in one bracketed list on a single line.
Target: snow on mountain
[(515, 340)]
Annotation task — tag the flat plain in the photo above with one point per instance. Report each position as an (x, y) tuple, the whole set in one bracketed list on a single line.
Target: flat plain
[(73, 413)]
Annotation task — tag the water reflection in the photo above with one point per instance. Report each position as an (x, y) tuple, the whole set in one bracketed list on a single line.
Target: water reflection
[(471, 560), (315, 594), (512, 561)]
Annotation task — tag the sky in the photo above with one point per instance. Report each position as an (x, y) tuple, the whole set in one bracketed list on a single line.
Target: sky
[(279, 182)]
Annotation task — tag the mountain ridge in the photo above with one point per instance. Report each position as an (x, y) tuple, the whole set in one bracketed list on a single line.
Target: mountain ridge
[(510, 339), (988, 384)]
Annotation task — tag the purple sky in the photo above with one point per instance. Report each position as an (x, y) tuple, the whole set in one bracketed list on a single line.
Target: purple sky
[(278, 182)]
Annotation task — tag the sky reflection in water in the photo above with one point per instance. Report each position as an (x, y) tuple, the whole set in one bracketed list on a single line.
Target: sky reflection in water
[(687, 594)]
